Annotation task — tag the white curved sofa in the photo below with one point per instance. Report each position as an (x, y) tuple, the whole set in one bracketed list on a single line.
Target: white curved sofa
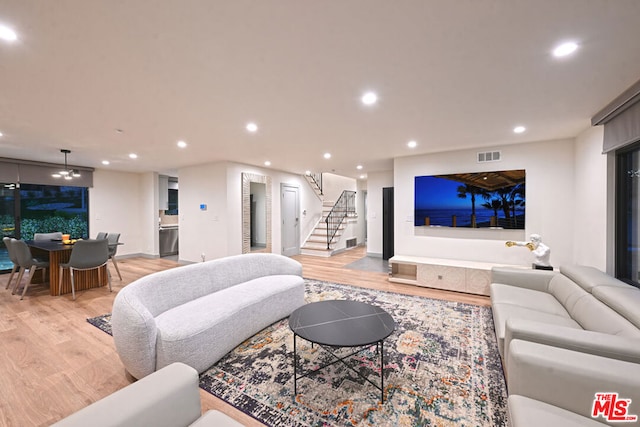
[(195, 314)]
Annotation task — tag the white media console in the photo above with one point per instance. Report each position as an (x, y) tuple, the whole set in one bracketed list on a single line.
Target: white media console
[(452, 275)]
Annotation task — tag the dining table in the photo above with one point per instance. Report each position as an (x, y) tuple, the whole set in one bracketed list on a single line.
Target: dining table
[(57, 252)]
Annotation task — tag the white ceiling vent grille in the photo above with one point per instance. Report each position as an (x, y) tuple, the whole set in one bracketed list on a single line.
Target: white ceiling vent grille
[(489, 156)]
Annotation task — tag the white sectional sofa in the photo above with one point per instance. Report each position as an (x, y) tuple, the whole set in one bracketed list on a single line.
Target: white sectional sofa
[(555, 387), (565, 336), (197, 313), (579, 308), (169, 397)]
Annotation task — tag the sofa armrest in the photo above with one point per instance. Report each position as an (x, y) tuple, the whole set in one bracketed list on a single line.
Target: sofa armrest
[(169, 397), (596, 343), (569, 379), (538, 280), (134, 334)]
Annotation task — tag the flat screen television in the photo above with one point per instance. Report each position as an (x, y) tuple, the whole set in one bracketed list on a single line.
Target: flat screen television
[(471, 200)]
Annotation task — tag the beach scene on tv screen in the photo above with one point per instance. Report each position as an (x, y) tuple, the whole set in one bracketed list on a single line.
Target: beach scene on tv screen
[(471, 200)]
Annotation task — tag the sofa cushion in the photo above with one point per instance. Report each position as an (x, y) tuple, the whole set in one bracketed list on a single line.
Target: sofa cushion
[(537, 280), (566, 291), (528, 298), (502, 312), (526, 412), (625, 301), (590, 277), (202, 331), (594, 315)]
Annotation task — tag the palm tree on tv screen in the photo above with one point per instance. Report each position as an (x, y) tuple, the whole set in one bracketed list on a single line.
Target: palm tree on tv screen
[(494, 205), (516, 201), (473, 191)]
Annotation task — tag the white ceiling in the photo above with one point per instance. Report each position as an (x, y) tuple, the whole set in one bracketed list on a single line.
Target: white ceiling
[(449, 74)]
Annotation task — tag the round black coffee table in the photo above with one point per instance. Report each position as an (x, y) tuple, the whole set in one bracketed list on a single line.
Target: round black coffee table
[(341, 323)]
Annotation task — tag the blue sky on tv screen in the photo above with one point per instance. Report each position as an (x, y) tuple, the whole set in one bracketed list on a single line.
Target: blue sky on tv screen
[(438, 193)]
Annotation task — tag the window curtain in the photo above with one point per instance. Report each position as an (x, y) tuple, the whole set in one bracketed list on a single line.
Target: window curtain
[(621, 120), (27, 172)]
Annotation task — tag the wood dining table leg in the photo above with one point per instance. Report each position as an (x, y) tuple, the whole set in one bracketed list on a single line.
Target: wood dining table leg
[(55, 259), (60, 254), (83, 279)]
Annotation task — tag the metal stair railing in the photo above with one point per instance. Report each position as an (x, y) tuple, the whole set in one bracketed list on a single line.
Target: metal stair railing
[(344, 207), (316, 178)]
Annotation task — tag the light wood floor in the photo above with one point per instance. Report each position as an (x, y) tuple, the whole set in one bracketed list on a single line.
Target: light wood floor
[(52, 362)]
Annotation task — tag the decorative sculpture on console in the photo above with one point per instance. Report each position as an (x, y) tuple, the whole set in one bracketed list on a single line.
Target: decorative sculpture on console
[(541, 251)]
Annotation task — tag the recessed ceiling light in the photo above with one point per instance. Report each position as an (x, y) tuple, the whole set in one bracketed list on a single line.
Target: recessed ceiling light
[(182, 144), (267, 163), (252, 127), (105, 162), (519, 129), (7, 34), (412, 144), (565, 49), (363, 176), (369, 98), (327, 155), (133, 156), (359, 167), (0, 133), (307, 172)]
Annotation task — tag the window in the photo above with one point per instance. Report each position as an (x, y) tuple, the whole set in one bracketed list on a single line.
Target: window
[(27, 209), (628, 215), (49, 208)]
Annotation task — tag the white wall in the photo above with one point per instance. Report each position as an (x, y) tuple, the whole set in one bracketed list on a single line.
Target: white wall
[(149, 201), (217, 232), (203, 231), (569, 196), (550, 199), (333, 185), (590, 210), (116, 204), (376, 181)]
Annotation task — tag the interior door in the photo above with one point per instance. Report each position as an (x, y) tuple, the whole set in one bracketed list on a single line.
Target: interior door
[(387, 223), (290, 220)]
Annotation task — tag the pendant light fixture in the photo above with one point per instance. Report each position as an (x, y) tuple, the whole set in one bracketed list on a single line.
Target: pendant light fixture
[(66, 173)]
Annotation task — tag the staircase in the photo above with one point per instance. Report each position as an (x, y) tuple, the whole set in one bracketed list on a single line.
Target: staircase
[(324, 238), (316, 244)]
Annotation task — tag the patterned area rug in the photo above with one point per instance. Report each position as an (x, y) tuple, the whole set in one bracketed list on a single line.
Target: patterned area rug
[(442, 368)]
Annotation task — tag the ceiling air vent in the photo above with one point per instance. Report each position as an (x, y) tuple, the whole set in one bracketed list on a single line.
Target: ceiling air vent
[(489, 156)]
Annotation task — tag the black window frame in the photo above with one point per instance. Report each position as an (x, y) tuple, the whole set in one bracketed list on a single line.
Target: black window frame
[(623, 214)]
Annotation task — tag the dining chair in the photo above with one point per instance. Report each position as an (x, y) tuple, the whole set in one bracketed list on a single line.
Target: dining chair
[(26, 261), (101, 235), (12, 258), (86, 255), (113, 248), (48, 236)]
